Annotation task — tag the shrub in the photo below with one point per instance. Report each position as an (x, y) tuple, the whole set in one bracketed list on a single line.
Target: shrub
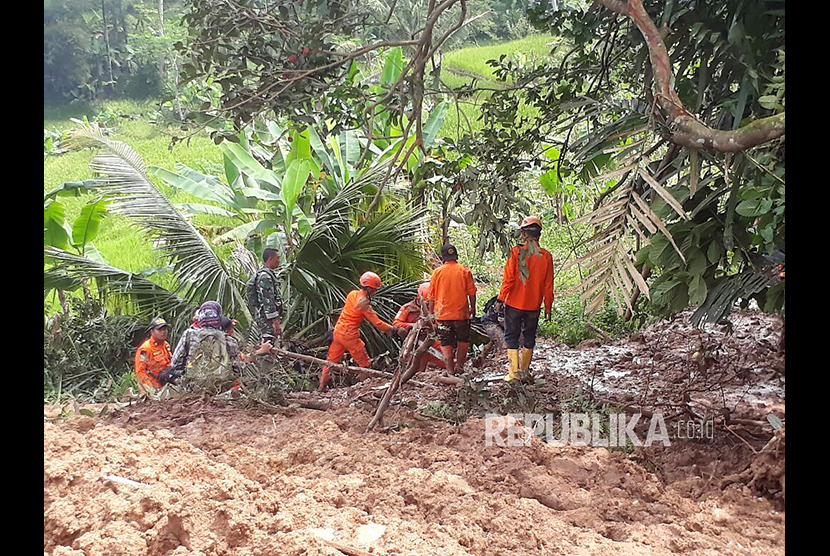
[(570, 325), (87, 352)]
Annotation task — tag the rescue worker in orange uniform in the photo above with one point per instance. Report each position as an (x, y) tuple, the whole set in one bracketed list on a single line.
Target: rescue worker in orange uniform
[(408, 314), (526, 284), (153, 356), (452, 298), (346, 336)]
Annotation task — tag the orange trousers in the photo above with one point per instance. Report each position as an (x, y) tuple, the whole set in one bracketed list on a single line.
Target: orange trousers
[(340, 345)]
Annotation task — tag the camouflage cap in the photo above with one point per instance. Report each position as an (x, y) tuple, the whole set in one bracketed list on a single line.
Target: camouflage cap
[(158, 322)]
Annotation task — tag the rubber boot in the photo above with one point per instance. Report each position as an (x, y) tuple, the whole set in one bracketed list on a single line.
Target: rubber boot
[(527, 355), (513, 364)]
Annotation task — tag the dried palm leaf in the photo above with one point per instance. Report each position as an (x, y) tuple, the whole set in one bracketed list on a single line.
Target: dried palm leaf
[(668, 197)]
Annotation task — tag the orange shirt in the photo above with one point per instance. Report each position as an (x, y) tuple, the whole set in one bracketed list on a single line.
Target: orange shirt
[(538, 287), (357, 308), (408, 314), (151, 357), (450, 285)]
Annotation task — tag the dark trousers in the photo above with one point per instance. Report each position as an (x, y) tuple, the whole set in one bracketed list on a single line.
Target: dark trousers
[(516, 322)]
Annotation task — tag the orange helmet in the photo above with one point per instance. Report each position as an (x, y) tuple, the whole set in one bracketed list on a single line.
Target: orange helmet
[(423, 289), (530, 221), (370, 279)]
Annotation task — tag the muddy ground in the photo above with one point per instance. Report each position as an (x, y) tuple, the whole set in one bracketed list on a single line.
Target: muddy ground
[(192, 477)]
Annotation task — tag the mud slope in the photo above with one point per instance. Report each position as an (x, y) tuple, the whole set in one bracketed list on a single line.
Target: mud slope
[(231, 482), (194, 478)]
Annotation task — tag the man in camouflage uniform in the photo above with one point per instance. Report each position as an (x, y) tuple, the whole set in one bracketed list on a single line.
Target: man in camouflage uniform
[(210, 361), (267, 312)]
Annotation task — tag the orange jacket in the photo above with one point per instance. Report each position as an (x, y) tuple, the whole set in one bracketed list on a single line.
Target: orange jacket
[(450, 285), (538, 287), (357, 308), (150, 358), (408, 314)]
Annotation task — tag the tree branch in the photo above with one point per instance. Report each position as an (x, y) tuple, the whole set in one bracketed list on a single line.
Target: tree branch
[(688, 131)]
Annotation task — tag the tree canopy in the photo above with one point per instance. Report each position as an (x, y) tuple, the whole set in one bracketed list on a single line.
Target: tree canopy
[(669, 113)]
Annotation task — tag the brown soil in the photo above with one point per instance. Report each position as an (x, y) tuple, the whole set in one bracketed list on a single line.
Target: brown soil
[(211, 478)]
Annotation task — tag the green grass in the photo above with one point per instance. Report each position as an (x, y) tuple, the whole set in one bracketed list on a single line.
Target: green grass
[(461, 67), (472, 61), (119, 241)]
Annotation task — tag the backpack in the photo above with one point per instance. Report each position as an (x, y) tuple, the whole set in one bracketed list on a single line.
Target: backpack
[(251, 297), (209, 365), (252, 292)]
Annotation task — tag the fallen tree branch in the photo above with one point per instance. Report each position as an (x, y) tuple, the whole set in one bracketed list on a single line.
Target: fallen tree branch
[(310, 404), (323, 362), (599, 331), (449, 380), (412, 367)]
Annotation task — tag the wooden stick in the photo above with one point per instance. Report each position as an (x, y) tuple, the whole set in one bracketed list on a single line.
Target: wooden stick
[(348, 550), (396, 381), (741, 438), (310, 404), (450, 380), (323, 362), (600, 331)]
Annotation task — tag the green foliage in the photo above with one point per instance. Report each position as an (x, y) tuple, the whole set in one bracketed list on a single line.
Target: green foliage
[(323, 261), (83, 230), (569, 323), (579, 402), (439, 410), (728, 69), (80, 46), (52, 142), (472, 60), (502, 19), (722, 241), (87, 353)]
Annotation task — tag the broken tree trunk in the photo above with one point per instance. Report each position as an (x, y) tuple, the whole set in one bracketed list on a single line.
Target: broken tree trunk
[(411, 359)]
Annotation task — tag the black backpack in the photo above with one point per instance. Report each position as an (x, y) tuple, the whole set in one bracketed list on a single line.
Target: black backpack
[(490, 313)]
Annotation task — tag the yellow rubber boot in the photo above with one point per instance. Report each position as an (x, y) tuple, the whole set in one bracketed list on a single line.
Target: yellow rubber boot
[(513, 364), (527, 355)]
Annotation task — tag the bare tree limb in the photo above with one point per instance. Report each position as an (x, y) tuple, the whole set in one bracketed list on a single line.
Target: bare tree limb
[(688, 131)]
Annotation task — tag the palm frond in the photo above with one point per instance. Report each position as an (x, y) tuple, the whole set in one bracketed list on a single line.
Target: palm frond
[(624, 217), (140, 296), (720, 301), (199, 271)]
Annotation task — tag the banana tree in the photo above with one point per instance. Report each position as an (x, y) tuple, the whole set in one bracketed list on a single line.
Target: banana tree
[(326, 264), (263, 199), (83, 231), (198, 271)]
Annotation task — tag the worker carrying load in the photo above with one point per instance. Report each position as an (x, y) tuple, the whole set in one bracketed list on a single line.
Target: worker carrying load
[(452, 298), (209, 359), (408, 314), (346, 336), (526, 284)]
